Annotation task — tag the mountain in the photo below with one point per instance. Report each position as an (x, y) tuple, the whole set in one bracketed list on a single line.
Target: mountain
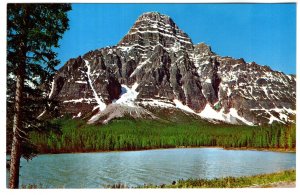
[(156, 66)]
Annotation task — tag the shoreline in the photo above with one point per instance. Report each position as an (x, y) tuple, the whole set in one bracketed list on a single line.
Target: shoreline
[(183, 147), (265, 149), (283, 184), (279, 179)]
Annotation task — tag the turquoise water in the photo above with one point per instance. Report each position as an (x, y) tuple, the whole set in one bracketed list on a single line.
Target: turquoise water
[(97, 170)]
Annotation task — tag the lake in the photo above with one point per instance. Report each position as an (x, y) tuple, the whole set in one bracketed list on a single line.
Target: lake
[(97, 170)]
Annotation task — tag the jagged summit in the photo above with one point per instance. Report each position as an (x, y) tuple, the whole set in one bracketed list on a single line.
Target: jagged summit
[(154, 16), (156, 66), (153, 28), (203, 49)]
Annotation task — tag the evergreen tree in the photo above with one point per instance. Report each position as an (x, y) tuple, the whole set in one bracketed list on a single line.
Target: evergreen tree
[(33, 30)]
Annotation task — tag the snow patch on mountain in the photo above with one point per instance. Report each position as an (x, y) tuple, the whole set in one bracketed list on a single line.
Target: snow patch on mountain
[(283, 114), (77, 116), (113, 111), (99, 99), (182, 107), (209, 113), (81, 100), (128, 95), (233, 112), (42, 114), (140, 66), (94, 118), (176, 47), (208, 80), (157, 103), (273, 118), (52, 89), (81, 82)]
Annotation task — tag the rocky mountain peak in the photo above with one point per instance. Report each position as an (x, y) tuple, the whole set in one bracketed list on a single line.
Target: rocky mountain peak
[(155, 16), (156, 66), (203, 49), (152, 29)]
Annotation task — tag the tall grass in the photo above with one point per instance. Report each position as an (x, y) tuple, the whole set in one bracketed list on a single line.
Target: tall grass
[(128, 134), (262, 180)]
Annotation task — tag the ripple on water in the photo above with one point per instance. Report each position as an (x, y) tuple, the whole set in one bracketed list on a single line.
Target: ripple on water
[(94, 170)]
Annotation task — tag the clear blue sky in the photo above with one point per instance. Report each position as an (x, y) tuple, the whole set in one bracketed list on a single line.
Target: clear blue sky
[(264, 33)]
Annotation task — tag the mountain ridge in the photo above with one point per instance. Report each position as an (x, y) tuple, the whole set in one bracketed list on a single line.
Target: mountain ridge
[(157, 65)]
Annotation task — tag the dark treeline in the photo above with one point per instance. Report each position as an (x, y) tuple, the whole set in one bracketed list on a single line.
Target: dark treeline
[(123, 134)]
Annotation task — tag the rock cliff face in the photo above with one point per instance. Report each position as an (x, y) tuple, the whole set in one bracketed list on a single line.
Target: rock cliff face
[(157, 65)]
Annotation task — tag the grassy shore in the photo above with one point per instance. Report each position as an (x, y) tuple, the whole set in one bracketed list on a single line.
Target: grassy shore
[(263, 180), (284, 178)]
